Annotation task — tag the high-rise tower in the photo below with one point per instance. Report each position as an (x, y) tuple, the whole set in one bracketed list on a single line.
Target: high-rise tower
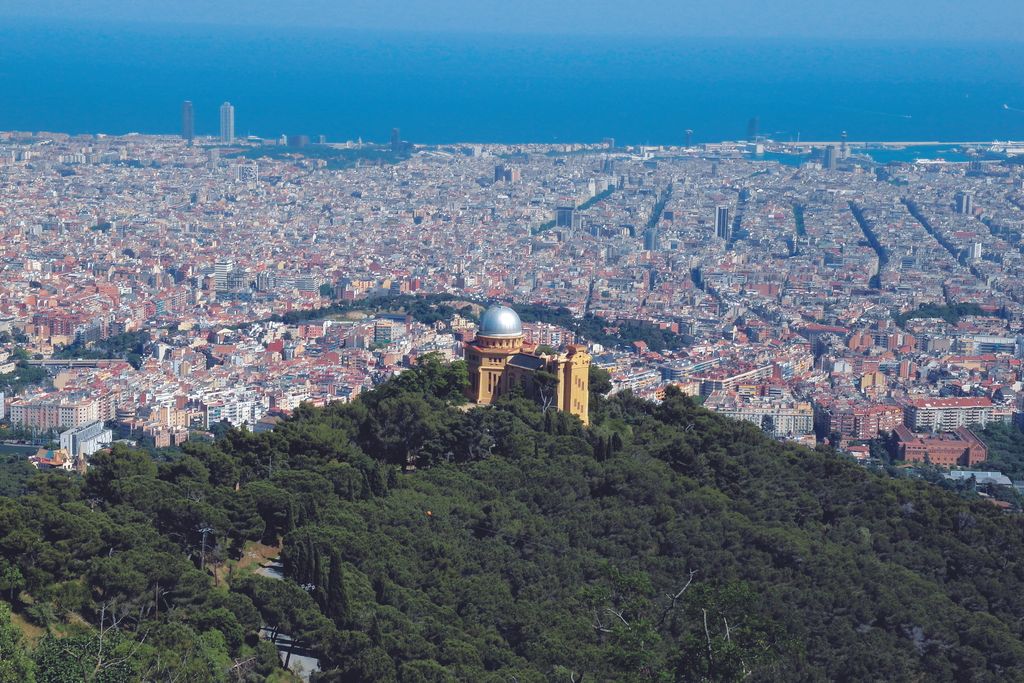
[(188, 122), (964, 203), (828, 158), (753, 129), (221, 271), (722, 228), (227, 123)]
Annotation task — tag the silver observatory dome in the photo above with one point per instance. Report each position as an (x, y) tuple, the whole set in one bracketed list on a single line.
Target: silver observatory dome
[(500, 321)]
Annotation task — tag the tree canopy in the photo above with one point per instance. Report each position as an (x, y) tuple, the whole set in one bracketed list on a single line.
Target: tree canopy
[(1005, 449), (422, 541)]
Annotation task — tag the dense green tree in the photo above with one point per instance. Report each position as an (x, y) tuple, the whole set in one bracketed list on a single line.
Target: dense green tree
[(22, 376), (11, 580), (661, 543), (16, 666), (600, 380), (107, 469), (546, 385), (1005, 449), (105, 657), (337, 606), (951, 314)]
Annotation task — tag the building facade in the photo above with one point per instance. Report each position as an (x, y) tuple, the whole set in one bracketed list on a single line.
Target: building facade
[(54, 412), (960, 448), (498, 364), (865, 421), (723, 230), (81, 442), (947, 414), (782, 418)]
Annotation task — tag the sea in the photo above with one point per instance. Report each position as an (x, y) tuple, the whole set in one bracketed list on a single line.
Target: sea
[(451, 88)]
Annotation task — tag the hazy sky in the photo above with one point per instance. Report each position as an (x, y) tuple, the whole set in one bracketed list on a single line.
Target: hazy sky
[(838, 19)]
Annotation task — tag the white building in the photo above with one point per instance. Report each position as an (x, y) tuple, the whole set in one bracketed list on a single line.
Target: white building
[(781, 417), (948, 414), (81, 442), (241, 408), (221, 270)]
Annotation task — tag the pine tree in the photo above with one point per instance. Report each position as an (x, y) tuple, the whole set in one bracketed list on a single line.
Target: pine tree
[(615, 444), (15, 664), (319, 594), (337, 594)]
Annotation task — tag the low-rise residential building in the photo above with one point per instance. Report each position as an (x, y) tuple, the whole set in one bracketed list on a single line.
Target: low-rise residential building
[(960, 448), (859, 421), (946, 414), (781, 417), (47, 459), (57, 411)]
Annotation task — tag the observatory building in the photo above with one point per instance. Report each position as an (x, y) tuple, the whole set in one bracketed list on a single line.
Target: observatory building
[(499, 364)]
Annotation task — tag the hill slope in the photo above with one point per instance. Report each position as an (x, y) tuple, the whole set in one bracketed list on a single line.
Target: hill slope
[(664, 543)]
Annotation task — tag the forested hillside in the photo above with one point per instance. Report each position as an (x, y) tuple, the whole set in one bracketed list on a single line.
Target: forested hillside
[(664, 543)]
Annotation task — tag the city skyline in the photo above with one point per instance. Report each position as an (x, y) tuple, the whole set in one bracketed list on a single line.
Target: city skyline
[(644, 213), (404, 340)]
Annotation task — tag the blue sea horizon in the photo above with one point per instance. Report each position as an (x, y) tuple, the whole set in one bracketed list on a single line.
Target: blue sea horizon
[(441, 89)]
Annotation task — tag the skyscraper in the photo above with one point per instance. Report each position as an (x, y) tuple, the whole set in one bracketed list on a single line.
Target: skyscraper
[(227, 123), (564, 216), (722, 228), (964, 202), (396, 140), (753, 129), (828, 160), (221, 270), (188, 122)]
